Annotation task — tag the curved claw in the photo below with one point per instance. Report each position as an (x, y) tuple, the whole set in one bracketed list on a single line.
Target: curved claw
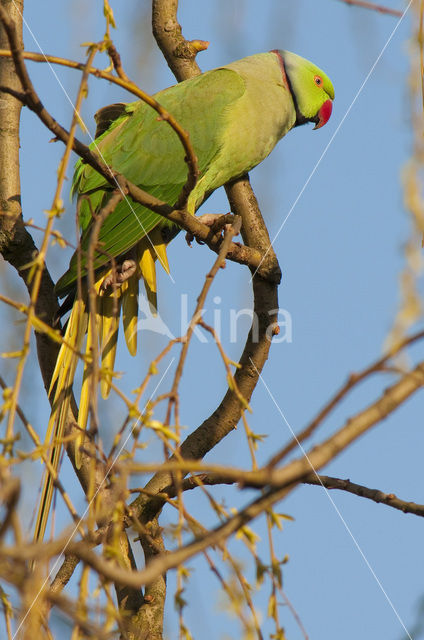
[(189, 237)]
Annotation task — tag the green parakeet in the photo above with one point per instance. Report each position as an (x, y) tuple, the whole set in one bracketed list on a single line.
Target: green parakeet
[(235, 115)]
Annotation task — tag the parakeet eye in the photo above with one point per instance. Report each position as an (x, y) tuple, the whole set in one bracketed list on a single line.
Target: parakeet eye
[(318, 80)]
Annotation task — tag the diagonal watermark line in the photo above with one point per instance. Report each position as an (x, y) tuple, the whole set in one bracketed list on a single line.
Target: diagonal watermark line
[(330, 142), (125, 197), (67, 543), (346, 526)]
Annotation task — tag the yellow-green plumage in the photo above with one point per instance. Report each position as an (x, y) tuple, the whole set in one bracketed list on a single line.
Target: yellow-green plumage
[(234, 115)]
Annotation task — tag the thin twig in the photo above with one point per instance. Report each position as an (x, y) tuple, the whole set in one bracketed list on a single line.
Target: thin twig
[(40, 326), (10, 490), (389, 499), (65, 573), (117, 63), (374, 7), (197, 315)]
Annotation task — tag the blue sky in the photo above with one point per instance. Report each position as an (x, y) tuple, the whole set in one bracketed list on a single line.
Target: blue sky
[(340, 250)]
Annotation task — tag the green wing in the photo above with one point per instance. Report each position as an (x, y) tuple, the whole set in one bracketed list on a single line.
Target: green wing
[(149, 153)]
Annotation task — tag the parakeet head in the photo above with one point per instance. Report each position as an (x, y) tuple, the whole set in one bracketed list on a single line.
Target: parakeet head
[(311, 88)]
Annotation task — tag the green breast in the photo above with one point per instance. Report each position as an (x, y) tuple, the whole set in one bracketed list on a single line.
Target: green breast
[(254, 123)]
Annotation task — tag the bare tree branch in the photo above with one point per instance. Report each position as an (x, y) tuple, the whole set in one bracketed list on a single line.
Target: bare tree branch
[(328, 482), (360, 490)]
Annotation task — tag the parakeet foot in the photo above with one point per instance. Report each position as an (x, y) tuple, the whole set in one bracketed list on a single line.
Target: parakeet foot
[(123, 272), (216, 221)]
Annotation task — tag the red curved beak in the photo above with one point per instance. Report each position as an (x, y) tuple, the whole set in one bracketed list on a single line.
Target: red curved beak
[(324, 114)]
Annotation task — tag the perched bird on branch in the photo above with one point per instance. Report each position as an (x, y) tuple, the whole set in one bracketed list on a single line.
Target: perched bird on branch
[(234, 115)]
